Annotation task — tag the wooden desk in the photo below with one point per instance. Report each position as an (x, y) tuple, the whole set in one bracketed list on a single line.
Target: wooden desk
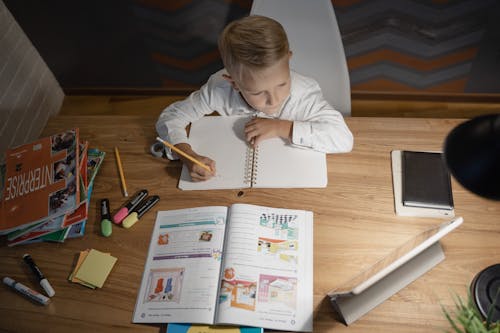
[(354, 225)]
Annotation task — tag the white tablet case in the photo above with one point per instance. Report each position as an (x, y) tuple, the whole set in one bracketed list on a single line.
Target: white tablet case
[(351, 305), (402, 210)]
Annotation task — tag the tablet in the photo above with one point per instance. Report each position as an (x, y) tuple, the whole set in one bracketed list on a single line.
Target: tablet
[(396, 259)]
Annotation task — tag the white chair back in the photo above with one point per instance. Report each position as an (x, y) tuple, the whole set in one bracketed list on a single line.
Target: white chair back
[(316, 43)]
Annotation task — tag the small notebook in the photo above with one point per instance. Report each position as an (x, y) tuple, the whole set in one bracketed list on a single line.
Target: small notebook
[(426, 181), (403, 210), (275, 163)]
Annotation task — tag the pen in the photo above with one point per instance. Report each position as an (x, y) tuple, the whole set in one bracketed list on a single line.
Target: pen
[(180, 152), (41, 278), (26, 291), (120, 170)]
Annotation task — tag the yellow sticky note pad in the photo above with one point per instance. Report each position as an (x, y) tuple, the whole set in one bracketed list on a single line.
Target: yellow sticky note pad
[(95, 268), (81, 257)]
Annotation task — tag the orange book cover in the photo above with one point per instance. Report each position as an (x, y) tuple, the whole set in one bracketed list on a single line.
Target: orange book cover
[(41, 181)]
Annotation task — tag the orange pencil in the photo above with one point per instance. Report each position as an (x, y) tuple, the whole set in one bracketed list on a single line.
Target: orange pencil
[(180, 152), (120, 170)]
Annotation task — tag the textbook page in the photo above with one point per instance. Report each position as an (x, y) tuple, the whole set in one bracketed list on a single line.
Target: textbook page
[(267, 279), (181, 274)]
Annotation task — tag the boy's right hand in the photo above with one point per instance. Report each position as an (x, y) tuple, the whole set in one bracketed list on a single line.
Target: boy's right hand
[(196, 172)]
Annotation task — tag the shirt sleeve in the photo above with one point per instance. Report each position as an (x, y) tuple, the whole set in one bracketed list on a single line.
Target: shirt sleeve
[(174, 119), (317, 125)]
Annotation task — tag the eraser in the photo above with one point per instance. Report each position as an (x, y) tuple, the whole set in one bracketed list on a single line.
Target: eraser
[(106, 228), (120, 215), (130, 220)]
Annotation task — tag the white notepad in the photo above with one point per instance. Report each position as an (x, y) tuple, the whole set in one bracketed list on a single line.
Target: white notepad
[(274, 164)]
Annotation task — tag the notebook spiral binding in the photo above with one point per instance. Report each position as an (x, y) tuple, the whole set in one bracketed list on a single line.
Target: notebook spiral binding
[(251, 166)]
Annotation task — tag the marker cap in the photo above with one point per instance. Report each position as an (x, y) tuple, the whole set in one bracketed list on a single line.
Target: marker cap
[(47, 287), (129, 207), (145, 206), (130, 220), (106, 228), (120, 215)]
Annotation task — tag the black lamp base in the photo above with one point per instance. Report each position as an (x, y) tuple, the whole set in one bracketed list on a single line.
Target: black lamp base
[(485, 291)]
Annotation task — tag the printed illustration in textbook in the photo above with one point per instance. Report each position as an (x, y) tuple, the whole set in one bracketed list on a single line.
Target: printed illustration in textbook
[(257, 272), (41, 181)]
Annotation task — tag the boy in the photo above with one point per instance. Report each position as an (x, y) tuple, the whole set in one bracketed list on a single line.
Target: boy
[(257, 81)]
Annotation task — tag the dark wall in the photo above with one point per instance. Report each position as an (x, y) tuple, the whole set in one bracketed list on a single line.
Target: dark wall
[(392, 46), (128, 43)]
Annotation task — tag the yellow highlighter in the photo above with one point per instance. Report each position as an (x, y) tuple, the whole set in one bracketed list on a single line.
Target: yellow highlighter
[(138, 212)]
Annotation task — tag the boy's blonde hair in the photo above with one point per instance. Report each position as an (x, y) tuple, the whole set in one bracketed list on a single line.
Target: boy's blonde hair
[(252, 41)]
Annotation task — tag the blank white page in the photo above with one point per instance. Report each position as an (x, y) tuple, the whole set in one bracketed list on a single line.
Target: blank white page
[(282, 165), (279, 165), (221, 139)]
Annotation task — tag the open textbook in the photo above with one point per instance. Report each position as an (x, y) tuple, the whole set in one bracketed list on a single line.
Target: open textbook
[(275, 163), (242, 265)]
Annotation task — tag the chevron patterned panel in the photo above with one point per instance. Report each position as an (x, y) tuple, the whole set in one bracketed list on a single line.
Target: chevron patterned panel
[(401, 46), (421, 45), (392, 46), (182, 36)]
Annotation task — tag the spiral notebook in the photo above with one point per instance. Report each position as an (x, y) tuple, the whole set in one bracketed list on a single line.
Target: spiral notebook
[(275, 163)]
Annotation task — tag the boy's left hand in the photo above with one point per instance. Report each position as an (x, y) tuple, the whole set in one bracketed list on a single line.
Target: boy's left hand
[(259, 129)]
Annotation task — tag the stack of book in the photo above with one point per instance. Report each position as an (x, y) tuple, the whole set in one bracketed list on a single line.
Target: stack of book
[(46, 187)]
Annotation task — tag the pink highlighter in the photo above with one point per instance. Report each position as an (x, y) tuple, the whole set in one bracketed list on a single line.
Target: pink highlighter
[(124, 211)]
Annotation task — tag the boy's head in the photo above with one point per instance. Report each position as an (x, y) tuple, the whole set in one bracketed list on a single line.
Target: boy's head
[(256, 53), (254, 41)]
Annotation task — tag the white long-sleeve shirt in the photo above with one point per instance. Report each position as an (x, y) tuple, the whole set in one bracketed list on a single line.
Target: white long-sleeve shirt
[(316, 124)]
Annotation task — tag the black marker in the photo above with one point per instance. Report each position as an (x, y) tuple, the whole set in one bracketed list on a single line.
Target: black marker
[(140, 211), (41, 278), (123, 212)]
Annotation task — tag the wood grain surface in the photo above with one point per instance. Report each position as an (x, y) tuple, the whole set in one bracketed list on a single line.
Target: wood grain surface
[(354, 226)]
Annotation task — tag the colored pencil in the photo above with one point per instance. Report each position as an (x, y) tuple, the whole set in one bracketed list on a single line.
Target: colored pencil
[(180, 152), (120, 170)]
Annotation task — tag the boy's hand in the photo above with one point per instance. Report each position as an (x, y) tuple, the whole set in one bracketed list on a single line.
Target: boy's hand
[(196, 172), (259, 129)]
